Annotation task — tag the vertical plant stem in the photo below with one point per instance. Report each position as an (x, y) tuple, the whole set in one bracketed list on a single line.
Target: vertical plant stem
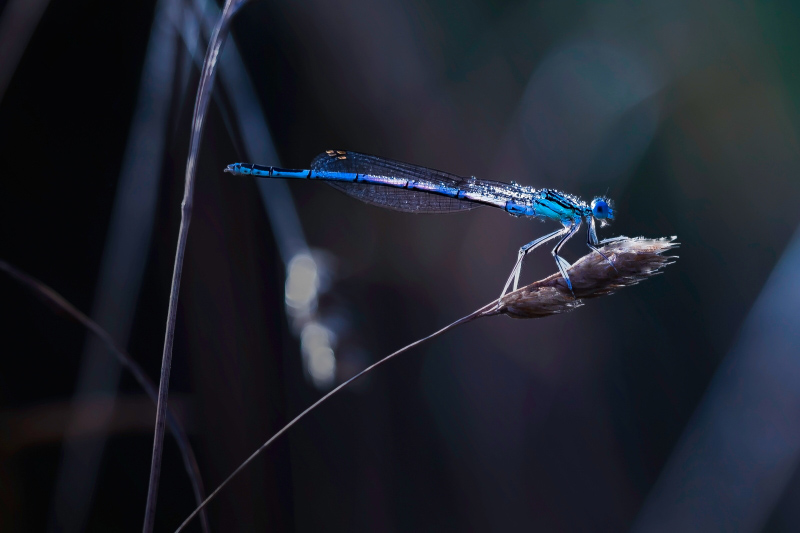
[(198, 120)]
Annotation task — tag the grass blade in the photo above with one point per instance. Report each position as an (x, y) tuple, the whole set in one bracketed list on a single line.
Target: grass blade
[(198, 120)]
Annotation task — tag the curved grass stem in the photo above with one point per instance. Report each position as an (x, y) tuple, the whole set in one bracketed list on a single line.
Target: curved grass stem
[(295, 420), (50, 296), (621, 262)]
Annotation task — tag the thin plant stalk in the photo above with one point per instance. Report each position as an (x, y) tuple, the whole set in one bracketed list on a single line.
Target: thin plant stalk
[(295, 420), (198, 120), (50, 296), (630, 261)]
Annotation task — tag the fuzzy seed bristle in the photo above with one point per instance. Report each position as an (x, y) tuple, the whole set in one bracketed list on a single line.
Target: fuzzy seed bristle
[(634, 260)]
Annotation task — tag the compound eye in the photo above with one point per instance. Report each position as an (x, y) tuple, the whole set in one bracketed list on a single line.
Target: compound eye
[(600, 209)]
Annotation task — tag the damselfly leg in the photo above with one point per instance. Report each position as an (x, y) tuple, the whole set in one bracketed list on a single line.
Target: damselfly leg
[(562, 263), (591, 241), (521, 256)]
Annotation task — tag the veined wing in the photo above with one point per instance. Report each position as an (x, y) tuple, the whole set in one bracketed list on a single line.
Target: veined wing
[(432, 191)]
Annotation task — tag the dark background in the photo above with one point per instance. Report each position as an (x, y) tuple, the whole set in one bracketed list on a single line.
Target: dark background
[(685, 113)]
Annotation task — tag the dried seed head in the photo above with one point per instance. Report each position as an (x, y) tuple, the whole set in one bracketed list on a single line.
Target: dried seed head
[(634, 259)]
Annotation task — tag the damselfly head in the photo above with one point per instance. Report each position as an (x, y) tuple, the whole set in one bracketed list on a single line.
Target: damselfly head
[(601, 209)]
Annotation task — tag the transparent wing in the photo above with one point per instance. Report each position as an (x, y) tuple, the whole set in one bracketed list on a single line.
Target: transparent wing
[(414, 201)]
